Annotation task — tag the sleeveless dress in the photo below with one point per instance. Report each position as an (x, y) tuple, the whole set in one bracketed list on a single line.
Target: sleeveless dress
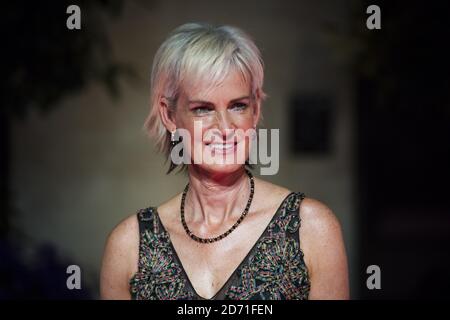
[(274, 269)]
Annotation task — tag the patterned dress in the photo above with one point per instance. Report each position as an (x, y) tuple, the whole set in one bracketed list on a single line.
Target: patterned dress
[(274, 269)]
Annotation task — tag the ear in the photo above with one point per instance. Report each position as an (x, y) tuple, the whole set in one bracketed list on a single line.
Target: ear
[(166, 114)]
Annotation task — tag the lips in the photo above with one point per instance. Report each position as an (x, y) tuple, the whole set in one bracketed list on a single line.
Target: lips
[(222, 147)]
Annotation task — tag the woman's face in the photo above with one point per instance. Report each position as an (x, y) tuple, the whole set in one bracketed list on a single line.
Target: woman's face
[(217, 120)]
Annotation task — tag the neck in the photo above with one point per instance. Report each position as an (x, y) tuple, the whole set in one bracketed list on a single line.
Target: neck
[(215, 198)]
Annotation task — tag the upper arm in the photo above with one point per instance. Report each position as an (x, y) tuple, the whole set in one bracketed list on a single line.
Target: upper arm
[(120, 260), (324, 250)]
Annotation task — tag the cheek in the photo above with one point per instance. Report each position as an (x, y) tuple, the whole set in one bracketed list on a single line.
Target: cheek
[(245, 120), (195, 145)]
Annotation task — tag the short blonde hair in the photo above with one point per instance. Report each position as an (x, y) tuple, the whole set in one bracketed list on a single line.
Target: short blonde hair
[(199, 52)]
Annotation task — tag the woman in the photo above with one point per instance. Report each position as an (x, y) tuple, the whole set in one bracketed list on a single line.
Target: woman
[(228, 235)]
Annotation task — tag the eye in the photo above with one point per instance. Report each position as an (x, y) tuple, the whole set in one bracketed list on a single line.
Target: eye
[(240, 106), (201, 110)]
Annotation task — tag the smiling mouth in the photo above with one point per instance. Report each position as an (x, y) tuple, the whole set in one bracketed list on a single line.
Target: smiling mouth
[(222, 147)]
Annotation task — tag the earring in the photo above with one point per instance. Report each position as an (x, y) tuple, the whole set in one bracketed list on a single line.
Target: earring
[(173, 141)]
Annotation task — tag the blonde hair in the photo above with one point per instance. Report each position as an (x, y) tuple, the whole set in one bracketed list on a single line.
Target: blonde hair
[(199, 52)]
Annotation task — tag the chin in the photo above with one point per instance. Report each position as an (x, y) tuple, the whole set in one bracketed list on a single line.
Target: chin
[(220, 169)]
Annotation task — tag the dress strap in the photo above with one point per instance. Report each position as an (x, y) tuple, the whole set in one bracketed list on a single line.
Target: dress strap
[(293, 207), (146, 219)]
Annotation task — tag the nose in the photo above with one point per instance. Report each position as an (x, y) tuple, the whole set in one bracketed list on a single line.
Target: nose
[(225, 125)]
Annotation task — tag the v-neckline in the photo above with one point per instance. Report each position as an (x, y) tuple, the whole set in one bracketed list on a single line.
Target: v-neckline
[(226, 283)]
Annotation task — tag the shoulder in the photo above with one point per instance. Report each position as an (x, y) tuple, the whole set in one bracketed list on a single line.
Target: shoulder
[(314, 213), (318, 217), (120, 258), (320, 228), (323, 246), (125, 234)]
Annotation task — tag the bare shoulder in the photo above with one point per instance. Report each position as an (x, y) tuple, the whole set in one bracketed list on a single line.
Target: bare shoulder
[(319, 227), (323, 246), (317, 216), (125, 235), (120, 259)]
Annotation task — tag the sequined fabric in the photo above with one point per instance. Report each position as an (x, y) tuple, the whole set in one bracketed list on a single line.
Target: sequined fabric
[(274, 269)]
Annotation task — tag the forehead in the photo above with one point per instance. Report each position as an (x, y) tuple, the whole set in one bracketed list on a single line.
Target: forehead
[(232, 86)]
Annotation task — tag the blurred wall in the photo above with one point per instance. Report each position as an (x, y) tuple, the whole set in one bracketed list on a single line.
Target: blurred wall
[(88, 165)]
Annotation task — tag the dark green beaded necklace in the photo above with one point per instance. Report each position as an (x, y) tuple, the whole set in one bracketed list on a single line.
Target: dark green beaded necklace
[(223, 235)]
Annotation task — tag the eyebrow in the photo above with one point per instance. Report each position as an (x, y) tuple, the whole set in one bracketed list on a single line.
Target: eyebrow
[(210, 103)]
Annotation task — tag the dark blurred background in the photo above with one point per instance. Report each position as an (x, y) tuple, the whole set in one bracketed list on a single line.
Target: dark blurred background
[(363, 118)]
